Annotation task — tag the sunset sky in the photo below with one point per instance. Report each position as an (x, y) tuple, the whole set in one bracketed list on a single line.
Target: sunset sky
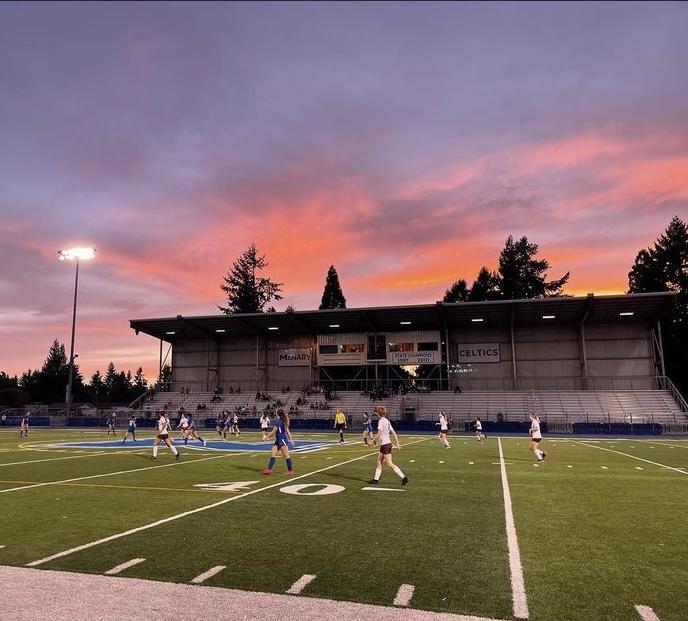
[(400, 142)]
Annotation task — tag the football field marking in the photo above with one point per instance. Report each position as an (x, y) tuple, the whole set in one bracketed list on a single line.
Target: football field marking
[(381, 489), (35, 461), (404, 595), (178, 516), (300, 584), (123, 566), (110, 474), (647, 461), (208, 574), (518, 589), (646, 613)]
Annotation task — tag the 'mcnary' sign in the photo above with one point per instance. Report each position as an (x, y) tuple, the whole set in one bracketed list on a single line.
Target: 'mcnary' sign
[(479, 352), (294, 357)]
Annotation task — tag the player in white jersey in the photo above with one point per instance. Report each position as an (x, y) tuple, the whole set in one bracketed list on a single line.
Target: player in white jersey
[(536, 438), (164, 427), (444, 429), (479, 430), (384, 431), (265, 426)]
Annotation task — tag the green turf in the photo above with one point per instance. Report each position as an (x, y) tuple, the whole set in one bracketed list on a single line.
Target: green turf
[(594, 541)]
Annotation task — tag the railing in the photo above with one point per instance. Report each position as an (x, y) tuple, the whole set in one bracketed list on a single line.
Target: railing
[(668, 385)]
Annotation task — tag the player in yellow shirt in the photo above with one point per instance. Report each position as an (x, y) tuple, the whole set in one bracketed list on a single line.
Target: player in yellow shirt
[(340, 424)]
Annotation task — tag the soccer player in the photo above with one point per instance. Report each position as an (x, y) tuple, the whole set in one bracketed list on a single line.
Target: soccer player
[(340, 424), (444, 430), (235, 425), (220, 422), (384, 429), (282, 440), (164, 427), (264, 426), (367, 428), (479, 430), (24, 426), (536, 438), (226, 425), (191, 431), (131, 429), (111, 422)]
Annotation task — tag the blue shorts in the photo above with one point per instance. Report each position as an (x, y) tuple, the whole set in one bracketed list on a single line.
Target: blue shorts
[(368, 428), (279, 442)]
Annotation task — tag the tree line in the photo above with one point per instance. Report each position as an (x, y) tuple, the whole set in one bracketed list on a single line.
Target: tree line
[(48, 384)]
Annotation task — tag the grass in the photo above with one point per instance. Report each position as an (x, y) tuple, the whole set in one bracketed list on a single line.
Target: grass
[(596, 534)]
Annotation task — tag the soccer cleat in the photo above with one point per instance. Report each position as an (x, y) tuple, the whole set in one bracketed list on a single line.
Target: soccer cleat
[(205, 443), (289, 473), (267, 471), (153, 457), (373, 482), (177, 455), (404, 481), (544, 455)]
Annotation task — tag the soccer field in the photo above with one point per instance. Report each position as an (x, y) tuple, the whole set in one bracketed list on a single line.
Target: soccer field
[(599, 526)]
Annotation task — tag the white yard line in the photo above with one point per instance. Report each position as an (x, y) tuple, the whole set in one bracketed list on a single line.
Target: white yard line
[(518, 589), (208, 574), (36, 461), (193, 511), (110, 474), (123, 566), (83, 597), (646, 613), (647, 461), (404, 595), (301, 584)]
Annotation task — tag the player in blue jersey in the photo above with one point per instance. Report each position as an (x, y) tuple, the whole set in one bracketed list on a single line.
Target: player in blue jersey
[(131, 429), (220, 422), (226, 425), (367, 428), (190, 431), (282, 441)]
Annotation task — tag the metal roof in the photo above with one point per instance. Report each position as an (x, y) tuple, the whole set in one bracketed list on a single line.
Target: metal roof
[(646, 308)]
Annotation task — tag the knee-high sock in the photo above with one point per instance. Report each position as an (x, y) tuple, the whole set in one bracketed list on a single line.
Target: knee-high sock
[(155, 450), (290, 467), (400, 474), (271, 463), (378, 472), (173, 449), (538, 453)]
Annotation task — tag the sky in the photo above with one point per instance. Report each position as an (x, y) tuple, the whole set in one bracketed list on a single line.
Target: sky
[(401, 142)]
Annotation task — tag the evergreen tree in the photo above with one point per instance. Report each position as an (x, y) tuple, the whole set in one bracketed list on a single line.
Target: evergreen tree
[(332, 296), (97, 387), (246, 293), (485, 287), (522, 276), (664, 267), (109, 381), (458, 292)]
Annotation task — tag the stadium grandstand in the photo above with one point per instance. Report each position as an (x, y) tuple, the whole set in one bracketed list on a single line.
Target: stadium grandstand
[(589, 364)]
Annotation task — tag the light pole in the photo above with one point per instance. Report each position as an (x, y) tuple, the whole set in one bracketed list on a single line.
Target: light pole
[(73, 254)]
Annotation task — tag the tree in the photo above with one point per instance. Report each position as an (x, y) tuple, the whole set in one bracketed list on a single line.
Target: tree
[(664, 267), (458, 292), (485, 287), (97, 387), (522, 276), (332, 296), (245, 292), (109, 381)]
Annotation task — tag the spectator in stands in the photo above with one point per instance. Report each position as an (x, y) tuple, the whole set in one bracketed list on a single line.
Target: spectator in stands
[(231, 390)]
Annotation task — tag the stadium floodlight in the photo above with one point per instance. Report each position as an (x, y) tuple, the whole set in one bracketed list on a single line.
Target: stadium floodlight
[(548, 316), (73, 254), (334, 325), (273, 328), (171, 332), (405, 323), (477, 320), (220, 331), (627, 314)]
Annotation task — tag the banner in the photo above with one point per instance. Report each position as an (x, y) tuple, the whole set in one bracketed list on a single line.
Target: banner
[(479, 352), (294, 357), (414, 357)]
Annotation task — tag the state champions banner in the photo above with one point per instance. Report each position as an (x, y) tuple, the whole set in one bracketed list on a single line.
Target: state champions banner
[(294, 357), (473, 353)]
